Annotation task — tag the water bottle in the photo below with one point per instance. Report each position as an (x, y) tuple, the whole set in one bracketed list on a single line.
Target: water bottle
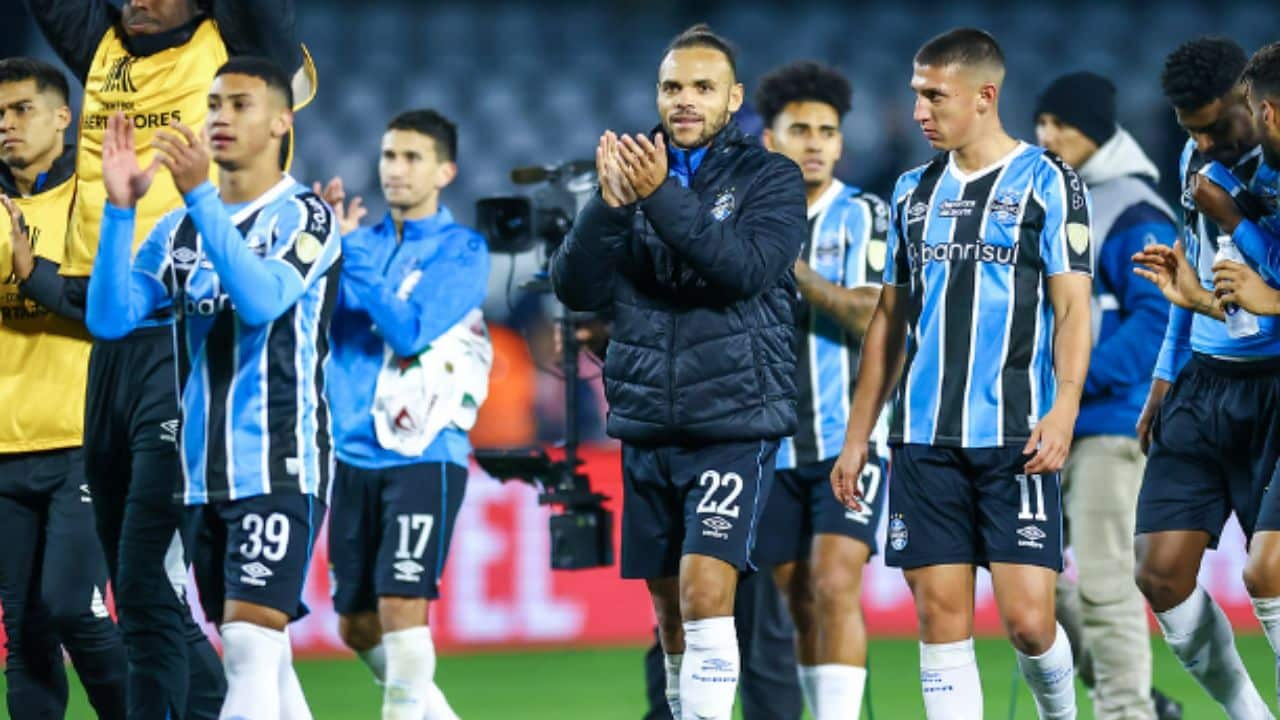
[(1240, 323)]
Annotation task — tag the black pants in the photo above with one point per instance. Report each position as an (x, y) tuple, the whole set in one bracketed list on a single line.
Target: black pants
[(131, 427), (53, 582), (768, 688)]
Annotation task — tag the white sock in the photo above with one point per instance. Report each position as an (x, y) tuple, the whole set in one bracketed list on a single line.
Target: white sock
[(672, 665), (949, 680), (1198, 633), (411, 668), (375, 659), (838, 690), (709, 670), (1052, 678), (1268, 612), (293, 704), (251, 657), (808, 676), (437, 706)]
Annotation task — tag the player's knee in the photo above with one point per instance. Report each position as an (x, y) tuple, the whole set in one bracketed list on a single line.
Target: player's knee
[(835, 593), (360, 632), (1161, 584), (1031, 630), (705, 600), (1262, 578)]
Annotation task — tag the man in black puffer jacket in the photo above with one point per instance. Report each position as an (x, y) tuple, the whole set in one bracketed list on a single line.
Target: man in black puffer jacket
[(692, 249)]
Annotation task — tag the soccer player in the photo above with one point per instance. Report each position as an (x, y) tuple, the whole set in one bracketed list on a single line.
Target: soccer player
[(691, 244), (1076, 120), (154, 61), (985, 315), (252, 269), (817, 547), (1214, 446), (410, 285), (53, 576)]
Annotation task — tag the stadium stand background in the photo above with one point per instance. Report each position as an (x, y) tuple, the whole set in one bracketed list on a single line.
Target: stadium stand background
[(533, 85)]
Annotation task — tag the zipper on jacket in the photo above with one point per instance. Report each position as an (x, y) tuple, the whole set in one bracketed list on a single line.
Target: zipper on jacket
[(671, 371)]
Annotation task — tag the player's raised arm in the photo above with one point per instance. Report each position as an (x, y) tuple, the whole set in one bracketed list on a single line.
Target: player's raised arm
[(747, 249), (266, 28), (447, 290), (584, 267), (118, 298), (67, 23)]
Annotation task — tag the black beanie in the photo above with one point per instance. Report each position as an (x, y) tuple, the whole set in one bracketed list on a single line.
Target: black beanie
[(1083, 100)]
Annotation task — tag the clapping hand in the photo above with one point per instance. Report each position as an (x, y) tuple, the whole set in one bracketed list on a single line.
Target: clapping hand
[(185, 155), (349, 216), (614, 186), (125, 180), (644, 163), (24, 260)]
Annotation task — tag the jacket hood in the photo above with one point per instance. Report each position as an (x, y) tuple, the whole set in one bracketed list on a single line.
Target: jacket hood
[(1118, 157)]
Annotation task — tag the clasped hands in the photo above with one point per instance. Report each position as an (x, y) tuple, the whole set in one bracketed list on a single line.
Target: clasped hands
[(630, 168)]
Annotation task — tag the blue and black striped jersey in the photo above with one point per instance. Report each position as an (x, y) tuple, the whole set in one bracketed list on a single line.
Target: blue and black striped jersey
[(255, 419), (973, 252), (846, 246), (1188, 331)]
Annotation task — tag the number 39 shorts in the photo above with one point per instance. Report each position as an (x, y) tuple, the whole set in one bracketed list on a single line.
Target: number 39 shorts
[(259, 551), (703, 500)]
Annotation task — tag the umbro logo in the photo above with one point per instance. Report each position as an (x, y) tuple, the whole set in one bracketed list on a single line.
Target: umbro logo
[(255, 574), (1031, 537), (408, 571), (1031, 532), (917, 212), (169, 431), (717, 665), (85, 495), (184, 258), (716, 522)]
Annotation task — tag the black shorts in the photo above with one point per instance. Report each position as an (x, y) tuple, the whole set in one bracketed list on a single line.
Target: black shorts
[(131, 403), (1214, 448), (389, 531), (705, 501), (266, 543), (802, 504), (971, 505)]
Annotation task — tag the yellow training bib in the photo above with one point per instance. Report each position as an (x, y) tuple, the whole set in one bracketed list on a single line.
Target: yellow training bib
[(44, 359), (152, 91)]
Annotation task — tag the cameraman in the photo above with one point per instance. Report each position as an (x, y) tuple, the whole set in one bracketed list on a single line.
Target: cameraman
[(692, 249)]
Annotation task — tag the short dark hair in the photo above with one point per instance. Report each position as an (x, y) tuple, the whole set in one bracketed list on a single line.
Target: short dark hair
[(46, 76), (1262, 73), (702, 36), (801, 81), (435, 126), (969, 47), (263, 69), (1202, 70)]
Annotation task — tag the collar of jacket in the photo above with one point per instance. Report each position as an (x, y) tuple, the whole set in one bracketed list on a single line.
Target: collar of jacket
[(729, 138), (144, 45), (421, 228), (61, 170)]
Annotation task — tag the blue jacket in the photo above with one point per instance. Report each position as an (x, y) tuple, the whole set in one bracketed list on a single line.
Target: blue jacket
[(700, 282), (1129, 313), (454, 262)]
